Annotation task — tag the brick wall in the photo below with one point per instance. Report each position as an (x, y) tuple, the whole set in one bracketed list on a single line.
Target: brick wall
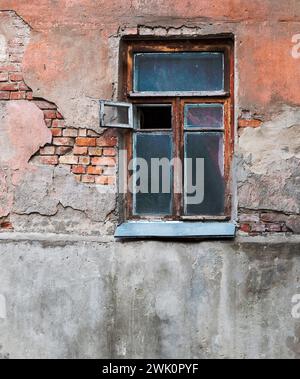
[(90, 156), (261, 222)]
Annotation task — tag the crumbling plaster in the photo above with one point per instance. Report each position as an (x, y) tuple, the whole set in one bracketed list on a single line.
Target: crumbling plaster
[(269, 164), (33, 190), (59, 53)]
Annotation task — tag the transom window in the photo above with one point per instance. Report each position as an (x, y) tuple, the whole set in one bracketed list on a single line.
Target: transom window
[(178, 103)]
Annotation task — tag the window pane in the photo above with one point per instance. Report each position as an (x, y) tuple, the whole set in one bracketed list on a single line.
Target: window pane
[(116, 115), (147, 147), (161, 72), (208, 116), (209, 198)]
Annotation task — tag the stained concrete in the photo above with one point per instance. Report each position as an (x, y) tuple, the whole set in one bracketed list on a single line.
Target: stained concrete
[(93, 299)]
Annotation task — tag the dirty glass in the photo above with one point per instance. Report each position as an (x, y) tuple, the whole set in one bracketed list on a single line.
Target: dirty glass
[(116, 115), (210, 147), (148, 147), (169, 72), (206, 116)]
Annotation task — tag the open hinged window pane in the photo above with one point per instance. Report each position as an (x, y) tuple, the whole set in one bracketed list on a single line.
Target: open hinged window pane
[(116, 115)]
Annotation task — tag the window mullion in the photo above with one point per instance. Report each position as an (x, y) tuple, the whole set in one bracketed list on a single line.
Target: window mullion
[(178, 155)]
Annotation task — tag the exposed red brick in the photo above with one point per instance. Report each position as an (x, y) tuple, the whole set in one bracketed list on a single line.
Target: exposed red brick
[(10, 68), (107, 141), (56, 132), (246, 218), (16, 77), (97, 151), (68, 159), (84, 160), (109, 152), (103, 161), (80, 150), (47, 150), (88, 179), (85, 141), (17, 95), (50, 114), (63, 141), (249, 123), (273, 217), (70, 132), (274, 228), (3, 77), (59, 116), (49, 160), (4, 95), (93, 170), (105, 180), (58, 124), (259, 228), (82, 132), (62, 150), (245, 228), (9, 86), (78, 169)]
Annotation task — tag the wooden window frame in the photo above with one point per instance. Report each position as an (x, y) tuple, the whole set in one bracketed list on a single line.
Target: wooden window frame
[(177, 100)]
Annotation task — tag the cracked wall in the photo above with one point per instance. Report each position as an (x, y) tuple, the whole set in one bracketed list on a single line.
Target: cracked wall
[(42, 61), (72, 294), (43, 162)]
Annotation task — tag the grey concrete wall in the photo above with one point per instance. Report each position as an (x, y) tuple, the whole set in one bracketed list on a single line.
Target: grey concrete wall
[(90, 298)]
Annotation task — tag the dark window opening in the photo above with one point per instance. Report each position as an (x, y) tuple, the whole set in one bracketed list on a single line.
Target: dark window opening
[(154, 117)]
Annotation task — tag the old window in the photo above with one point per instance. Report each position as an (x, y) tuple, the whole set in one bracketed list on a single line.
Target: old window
[(179, 99)]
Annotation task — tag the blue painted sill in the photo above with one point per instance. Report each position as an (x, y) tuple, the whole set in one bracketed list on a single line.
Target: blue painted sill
[(175, 230)]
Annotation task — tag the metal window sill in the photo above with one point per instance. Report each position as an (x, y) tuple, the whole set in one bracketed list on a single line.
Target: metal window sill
[(175, 230)]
